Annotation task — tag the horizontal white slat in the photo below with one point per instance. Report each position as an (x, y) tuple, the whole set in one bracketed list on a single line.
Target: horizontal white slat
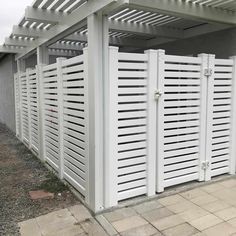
[(133, 66), (183, 59), (132, 57)]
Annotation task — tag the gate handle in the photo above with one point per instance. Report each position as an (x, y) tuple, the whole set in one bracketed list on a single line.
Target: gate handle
[(157, 94)]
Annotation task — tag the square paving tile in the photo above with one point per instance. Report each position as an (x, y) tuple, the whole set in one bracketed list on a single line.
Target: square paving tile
[(120, 214), (228, 183), (154, 215), (80, 212), (180, 230), (205, 222), (73, 230), (193, 214), (204, 199), (145, 230), (168, 222), (129, 223), (171, 200), (29, 228), (212, 187), (181, 206), (226, 214), (216, 206), (147, 206), (193, 193), (222, 229)]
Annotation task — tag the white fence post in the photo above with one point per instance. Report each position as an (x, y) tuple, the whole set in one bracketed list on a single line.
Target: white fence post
[(29, 107), (203, 105), (16, 92), (111, 134), (60, 117), (160, 120), (42, 154), (233, 121), (209, 112), (152, 124)]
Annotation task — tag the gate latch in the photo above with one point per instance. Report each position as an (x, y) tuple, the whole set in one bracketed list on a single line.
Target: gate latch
[(205, 165), (157, 94), (208, 72)]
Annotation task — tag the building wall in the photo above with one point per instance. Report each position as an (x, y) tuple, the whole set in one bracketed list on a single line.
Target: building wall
[(222, 43), (7, 99)]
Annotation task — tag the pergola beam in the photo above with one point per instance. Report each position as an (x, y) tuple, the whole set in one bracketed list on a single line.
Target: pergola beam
[(69, 24), (43, 15), (19, 42), (10, 49), (65, 46), (187, 10)]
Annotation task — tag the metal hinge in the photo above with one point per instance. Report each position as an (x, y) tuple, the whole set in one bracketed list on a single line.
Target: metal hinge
[(208, 72), (157, 94), (205, 165)]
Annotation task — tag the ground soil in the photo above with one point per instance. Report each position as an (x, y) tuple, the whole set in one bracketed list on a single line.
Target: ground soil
[(21, 172)]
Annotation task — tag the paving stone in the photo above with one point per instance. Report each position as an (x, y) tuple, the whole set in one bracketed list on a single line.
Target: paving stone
[(228, 183), (120, 214), (80, 212), (232, 222), (203, 200), (147, 206), (106, 225), (53, 217), (205, 222), (222, 229), (199, 234), (181, 206), (193, 193), (168, 222), (129, 223), (171, 200), (154, 215), (226, 214), (215, 206), (40, 194), (73, 230), (180, 230), (145, 230), (212, 187), (92, 228), (193, 214), (223, 195), (29, 228)]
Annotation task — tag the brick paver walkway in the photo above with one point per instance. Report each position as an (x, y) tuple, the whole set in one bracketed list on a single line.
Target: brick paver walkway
[(208, 210)]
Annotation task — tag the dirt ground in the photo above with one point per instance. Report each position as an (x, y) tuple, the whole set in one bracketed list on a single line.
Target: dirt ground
[(21, 172)]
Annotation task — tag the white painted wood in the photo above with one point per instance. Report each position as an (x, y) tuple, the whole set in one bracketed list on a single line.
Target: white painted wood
[(151, 124), (160, 122), (233, 121)]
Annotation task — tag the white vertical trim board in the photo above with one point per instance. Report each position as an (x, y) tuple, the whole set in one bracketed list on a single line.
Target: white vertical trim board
[(17, 104)]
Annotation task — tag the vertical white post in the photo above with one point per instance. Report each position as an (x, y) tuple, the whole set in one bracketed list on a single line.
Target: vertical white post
[(42, 154), (97, 73), (111, 132), (233, 121), (209, 120), (29, 107), (42, 59), (203, 115), (60, 117), (152, 124), (20, 69), (160, 120)]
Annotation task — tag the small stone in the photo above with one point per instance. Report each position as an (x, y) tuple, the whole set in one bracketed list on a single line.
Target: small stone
[(40, 194)]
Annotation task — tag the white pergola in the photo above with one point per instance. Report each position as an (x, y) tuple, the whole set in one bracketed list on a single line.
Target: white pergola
[(64, 28)]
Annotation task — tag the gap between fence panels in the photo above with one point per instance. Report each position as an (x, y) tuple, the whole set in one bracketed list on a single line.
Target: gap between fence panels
[(171, 120)]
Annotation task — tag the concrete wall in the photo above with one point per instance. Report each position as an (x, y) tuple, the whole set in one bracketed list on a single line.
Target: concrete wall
[(7, 99), (222, 43)]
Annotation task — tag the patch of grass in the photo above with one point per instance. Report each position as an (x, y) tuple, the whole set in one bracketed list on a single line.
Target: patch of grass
[(53, 185)]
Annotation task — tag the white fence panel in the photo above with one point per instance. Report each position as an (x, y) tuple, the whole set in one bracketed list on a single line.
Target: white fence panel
[(50, 116), (178, 154), (220, 113), (17, 104), (74, 122), (24, 107), (33, 109)]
